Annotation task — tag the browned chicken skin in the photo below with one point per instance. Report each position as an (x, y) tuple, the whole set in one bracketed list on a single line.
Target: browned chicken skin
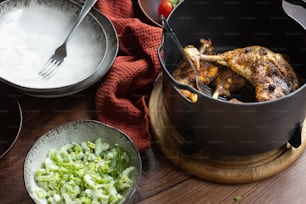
[(225, 79), (270, 74), (207, 71), (185, 75), (227, 82)]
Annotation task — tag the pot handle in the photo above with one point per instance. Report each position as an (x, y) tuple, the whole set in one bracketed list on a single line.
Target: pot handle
[(174, 82), (296, 136)]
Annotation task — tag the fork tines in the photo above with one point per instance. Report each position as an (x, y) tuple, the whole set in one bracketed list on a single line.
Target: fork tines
[(50, 68)]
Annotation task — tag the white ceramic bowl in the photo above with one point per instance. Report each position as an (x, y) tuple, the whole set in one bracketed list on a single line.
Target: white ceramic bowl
[(31, 30), (78, 132)]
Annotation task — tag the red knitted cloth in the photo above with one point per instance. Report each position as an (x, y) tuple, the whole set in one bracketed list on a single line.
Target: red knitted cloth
[(121, 99)]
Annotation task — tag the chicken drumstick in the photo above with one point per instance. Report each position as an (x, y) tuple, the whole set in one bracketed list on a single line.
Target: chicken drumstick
[(270, 74)]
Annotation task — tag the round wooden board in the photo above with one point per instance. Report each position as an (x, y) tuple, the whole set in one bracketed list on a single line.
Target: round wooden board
[(229, 170)]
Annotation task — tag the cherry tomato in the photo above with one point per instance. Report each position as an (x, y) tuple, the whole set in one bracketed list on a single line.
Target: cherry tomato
[(165, 8)]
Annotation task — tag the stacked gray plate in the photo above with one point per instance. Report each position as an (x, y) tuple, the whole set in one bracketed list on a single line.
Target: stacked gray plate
[(30, 31), (10, 120)]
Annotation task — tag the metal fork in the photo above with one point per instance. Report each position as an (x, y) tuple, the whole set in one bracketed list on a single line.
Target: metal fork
[(53, 64), (200, 85)]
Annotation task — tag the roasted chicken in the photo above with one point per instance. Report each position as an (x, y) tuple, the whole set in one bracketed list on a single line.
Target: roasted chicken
[(207, 71), (269, 72), (226, 82)]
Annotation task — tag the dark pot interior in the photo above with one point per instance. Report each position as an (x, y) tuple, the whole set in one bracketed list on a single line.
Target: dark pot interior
[(223, 127)]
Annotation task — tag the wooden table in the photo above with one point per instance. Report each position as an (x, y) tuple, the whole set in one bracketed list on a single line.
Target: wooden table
[(161, 182)]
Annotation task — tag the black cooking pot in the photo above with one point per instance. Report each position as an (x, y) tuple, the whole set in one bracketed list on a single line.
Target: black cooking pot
[(222, 127)]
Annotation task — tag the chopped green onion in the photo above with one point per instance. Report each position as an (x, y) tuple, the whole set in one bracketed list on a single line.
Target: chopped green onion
[(90, 172), (237, 198)]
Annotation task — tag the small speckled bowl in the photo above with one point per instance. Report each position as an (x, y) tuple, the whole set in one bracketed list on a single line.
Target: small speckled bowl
[(78, 132)]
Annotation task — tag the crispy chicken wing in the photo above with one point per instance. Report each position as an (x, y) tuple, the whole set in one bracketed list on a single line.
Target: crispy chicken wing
[(269, 72)]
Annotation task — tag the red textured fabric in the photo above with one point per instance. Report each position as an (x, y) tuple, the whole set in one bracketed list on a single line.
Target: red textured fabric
[(121, 99)]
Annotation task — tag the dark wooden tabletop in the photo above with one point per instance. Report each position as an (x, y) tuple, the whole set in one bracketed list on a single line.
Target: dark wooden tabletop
[(161, 181)]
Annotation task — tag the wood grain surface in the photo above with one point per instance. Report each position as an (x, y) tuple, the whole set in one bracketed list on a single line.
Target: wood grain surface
[(161, 181), (219, 169)]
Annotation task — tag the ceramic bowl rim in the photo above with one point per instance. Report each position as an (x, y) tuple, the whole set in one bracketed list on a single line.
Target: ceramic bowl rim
[(88, 121)]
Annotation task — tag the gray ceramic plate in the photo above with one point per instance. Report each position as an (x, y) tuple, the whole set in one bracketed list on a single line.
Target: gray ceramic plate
[(91, 50), (10, 120), (78, 131)]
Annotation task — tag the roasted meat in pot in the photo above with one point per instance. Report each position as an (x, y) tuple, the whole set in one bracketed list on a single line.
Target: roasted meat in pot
[(207, 71), (226, 82), (224, 79), (185, 75), (269, 72)]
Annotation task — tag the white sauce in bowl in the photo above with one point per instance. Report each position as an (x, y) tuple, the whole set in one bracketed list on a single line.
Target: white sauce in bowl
[(30, 34)]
